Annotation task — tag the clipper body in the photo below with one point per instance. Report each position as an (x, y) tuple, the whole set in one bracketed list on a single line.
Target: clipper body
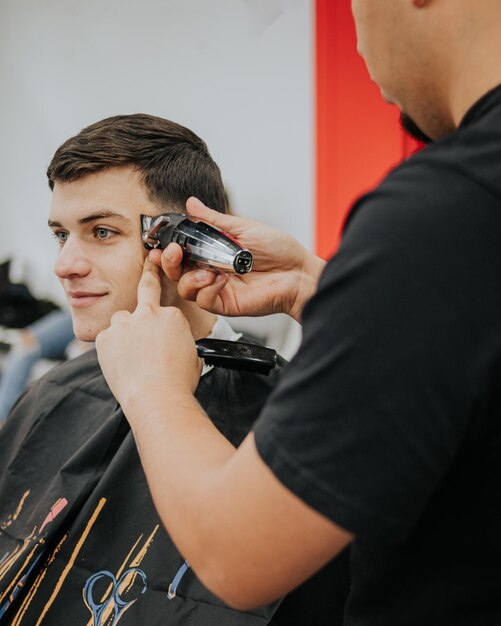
[(203, 245)]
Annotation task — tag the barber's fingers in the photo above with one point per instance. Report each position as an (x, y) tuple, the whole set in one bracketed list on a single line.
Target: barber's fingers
[(205, 294), (191, 282), (171, 261), (208, 298), (225, 222), (119, 316), (149, 287)]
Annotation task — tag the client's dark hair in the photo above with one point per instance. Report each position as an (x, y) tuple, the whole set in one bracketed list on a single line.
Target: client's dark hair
[(173, 162)]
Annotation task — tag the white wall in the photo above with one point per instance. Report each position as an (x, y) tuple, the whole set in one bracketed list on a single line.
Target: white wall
[(238, 72)]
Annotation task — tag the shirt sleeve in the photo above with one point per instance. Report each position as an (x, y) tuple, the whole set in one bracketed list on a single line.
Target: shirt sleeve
[(372, 410)]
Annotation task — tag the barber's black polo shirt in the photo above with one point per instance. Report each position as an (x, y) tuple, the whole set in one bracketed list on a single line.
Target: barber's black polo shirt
[(388, 421)]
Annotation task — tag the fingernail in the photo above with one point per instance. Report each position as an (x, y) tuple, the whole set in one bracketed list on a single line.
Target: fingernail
[(220, 278), (201, 276)]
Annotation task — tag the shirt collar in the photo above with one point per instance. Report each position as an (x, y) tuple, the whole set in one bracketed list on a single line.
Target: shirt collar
[(220, 330)]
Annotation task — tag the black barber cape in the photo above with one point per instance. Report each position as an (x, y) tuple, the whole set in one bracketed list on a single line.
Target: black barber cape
[(80, 540)]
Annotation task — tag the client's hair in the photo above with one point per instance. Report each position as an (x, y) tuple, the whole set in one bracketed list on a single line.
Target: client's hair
[(174, 163)]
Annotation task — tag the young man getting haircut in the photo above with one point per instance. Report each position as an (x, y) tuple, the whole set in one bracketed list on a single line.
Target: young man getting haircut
[(79, 536)]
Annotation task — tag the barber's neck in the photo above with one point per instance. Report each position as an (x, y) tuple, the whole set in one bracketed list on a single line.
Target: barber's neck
[(456, 54), (476, 68), (467, 94)]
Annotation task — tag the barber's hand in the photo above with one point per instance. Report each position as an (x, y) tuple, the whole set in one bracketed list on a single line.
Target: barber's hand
[(150, 351), (283, 278)]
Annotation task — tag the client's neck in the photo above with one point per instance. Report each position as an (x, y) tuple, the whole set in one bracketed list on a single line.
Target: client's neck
[(200, 321)]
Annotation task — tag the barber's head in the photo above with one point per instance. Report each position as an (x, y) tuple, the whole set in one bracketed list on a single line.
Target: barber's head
[(430, 57), (102, 180)]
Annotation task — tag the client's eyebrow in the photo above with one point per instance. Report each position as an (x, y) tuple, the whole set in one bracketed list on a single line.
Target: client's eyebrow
[(92, 218)]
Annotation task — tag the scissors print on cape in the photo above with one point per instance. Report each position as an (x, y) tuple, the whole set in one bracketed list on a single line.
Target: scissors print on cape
[(109, 610)]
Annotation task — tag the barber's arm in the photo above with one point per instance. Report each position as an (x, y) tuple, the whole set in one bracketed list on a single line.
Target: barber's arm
[(249, 539), (284, 277)]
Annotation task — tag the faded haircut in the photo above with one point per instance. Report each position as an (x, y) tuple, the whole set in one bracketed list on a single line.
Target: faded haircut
[(173, 162)]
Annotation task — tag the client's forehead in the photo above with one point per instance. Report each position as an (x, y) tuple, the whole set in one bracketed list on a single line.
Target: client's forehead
[(115, 192)]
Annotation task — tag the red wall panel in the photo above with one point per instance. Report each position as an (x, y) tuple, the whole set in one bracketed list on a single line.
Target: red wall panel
[(358, 135)]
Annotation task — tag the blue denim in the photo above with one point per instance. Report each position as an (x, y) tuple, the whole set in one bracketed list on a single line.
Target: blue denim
[(53, 333)]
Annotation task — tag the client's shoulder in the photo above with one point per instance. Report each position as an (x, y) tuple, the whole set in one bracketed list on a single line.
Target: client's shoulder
[(82, 368)]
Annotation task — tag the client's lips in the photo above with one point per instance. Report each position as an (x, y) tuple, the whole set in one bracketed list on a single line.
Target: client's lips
[(80, 299)]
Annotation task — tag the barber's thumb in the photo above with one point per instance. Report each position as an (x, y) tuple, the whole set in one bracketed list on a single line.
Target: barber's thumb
[(197, 208)]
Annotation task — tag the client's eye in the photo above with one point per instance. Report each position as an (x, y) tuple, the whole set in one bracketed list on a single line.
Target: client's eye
[(103, 233), (61, 235)]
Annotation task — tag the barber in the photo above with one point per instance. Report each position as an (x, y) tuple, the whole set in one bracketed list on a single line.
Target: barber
[(386, 429)]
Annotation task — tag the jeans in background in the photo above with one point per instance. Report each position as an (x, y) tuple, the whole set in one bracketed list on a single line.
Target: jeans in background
[(53, 334)]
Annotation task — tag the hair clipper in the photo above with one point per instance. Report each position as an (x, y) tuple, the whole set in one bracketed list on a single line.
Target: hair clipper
[(203, 245)]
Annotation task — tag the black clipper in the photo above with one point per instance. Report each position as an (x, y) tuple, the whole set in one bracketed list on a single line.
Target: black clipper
[(237, 355), (203, 245)]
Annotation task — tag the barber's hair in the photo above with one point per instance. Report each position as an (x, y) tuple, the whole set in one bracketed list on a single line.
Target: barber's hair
[(173, 162)]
